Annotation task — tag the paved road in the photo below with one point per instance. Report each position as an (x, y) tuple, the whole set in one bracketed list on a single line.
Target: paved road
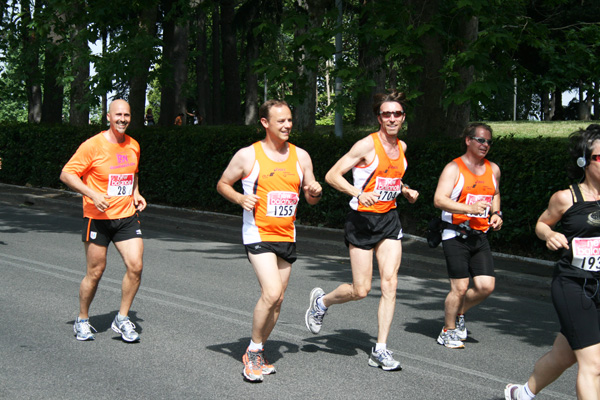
[(194, 314)]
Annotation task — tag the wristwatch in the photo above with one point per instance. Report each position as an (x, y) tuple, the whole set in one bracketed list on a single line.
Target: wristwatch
[(498, 213)]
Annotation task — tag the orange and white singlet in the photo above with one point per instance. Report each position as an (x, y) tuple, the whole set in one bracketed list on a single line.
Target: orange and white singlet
[(469, 189), (108, 168), (383, 175), (278, 186)]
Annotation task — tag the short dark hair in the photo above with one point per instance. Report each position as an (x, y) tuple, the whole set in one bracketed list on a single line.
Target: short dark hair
[(581, 143), (265, 108), (380, 98), (470, 129)]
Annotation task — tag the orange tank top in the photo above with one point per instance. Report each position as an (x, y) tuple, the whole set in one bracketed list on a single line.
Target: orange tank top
[(469, 189), (383, 175), (278, 186)]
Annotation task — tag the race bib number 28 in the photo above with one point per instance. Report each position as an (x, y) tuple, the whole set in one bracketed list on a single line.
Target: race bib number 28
[(586, 253), (120, 184), (282, 204)]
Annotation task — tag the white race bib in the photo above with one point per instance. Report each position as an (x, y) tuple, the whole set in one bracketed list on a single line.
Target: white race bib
[(120, 184), (282, 204), (388, 188), (474, 198), (586, 253)]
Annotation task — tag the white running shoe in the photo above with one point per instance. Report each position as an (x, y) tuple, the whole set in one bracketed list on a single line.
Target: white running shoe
[(314, 315), (449, 339)]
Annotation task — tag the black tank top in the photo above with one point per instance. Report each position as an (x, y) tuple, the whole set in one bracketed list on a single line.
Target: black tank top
[(580, 221)]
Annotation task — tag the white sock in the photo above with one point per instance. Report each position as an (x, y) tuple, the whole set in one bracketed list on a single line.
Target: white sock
[(380, 346), (120, 317), (525, 393), (255, 346), (320, 304)]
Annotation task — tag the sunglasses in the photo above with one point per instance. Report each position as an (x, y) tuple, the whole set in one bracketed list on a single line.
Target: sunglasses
[(481, 140), (595, 157), (388, 114)]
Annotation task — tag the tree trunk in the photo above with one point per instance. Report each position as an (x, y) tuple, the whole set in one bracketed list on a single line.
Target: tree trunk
[(370, 65), (202, 82), (174, 67), (251, 101), (140, 68), (459, 114), (216, 68), (53, 90), (30, 63), (305, 86), (231, 77), (428, 112), (80, 67)]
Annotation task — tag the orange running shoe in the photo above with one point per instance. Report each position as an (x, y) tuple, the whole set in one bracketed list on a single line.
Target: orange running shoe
[(253, 366), (267, 369)]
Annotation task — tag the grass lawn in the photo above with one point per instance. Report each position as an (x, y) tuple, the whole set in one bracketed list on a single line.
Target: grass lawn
[(533, 129), (520, 129)]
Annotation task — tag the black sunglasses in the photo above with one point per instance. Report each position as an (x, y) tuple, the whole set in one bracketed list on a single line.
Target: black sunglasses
[(482, 140), (387, 114)]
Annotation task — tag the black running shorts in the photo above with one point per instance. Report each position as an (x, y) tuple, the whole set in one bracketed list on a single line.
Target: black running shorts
[(104, 231), (468, 257), (366, 229), (577, 303), (284, 250)]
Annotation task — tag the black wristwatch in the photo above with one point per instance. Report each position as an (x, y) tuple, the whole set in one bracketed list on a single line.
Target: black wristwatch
[(498, 213)]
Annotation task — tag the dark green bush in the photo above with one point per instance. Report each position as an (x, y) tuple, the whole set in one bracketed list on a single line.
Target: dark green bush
[(180, 166)]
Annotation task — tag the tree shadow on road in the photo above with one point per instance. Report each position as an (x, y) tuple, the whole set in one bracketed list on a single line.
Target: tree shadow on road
[(274, 349)]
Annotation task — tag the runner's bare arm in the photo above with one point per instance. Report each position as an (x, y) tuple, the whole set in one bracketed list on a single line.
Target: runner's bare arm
[(239, 166), (361, 152), (75, 183), (442, 199), (312, 189), (558, 204), (138, 200)]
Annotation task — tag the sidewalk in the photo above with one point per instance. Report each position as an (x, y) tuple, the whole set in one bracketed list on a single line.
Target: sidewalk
[(514, 274)]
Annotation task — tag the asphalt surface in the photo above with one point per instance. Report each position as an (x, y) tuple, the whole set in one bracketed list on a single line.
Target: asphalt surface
[(521, 275), (194, 312)]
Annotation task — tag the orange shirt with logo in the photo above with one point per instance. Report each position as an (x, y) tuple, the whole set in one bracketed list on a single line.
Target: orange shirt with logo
[(107, 168)]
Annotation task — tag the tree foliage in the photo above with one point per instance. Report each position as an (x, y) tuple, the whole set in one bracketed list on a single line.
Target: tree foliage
[(458, 60)]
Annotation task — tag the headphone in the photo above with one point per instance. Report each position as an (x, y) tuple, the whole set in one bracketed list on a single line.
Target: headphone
[(581, 161)]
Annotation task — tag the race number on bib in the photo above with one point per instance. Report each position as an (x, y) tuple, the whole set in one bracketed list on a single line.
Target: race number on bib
[(474, 198), (388, 188), (282, 204), (120, 184), (586, 253)]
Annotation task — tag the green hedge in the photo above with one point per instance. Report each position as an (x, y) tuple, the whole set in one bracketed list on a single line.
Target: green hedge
[(181, 165)]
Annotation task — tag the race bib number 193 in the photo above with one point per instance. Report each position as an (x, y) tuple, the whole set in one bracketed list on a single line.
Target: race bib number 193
[(586, 253), (120, 184), (281, 204)]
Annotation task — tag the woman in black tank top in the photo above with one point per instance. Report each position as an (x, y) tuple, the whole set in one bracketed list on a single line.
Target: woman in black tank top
[(576, 282)]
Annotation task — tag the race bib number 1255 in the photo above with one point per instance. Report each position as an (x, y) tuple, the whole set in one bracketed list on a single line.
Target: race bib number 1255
[(282, 204)]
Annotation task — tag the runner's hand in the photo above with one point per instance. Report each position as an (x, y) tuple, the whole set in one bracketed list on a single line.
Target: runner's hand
[(367, 199), (314, 189), (139, 202), (411, 195), (556, 240), (101, 201), (249, 201)]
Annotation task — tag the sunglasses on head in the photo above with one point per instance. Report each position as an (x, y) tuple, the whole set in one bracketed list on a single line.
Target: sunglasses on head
[(388, 114), (481, 140)]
